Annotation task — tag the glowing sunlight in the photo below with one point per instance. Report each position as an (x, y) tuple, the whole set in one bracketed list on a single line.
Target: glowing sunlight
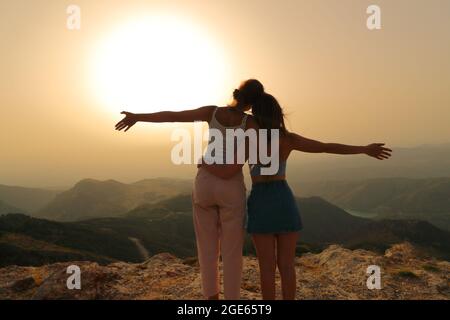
[(158, 62)]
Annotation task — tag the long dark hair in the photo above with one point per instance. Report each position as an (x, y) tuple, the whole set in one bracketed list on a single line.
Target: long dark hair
[(268, 113), (265, 108)]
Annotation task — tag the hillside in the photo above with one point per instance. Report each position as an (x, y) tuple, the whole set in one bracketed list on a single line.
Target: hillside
[(101, 240), (19, 249), (30, 241), (335, 273), (394, 198), (91, 198)]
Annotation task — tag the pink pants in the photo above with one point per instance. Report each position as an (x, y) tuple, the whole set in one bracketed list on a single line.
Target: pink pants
[(219, 215)]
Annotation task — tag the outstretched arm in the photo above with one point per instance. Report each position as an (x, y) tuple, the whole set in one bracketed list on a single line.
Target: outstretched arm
[(200, 114), (375, 150)]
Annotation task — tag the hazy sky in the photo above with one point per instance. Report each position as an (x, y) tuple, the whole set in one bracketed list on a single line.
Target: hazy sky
[(337, 80)]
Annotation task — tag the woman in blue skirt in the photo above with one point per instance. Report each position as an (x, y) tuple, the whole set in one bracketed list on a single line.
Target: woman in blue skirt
[(274, 220)]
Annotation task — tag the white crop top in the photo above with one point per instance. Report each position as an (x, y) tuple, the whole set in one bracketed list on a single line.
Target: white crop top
[(213, 148)]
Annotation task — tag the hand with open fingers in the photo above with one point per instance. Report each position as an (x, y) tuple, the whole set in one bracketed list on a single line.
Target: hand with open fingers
[(127, 122), (378, 151)]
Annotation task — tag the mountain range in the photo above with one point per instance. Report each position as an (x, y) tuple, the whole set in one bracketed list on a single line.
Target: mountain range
[(384, 198), (91, 198), (166, 226)]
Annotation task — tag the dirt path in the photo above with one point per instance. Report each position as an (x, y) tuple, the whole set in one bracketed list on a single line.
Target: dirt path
[(142, 250)]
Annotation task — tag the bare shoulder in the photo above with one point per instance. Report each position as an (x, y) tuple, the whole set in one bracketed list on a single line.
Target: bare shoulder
[(210, 108), (221, 110), (289, 137), (292, 141), (207, 112)]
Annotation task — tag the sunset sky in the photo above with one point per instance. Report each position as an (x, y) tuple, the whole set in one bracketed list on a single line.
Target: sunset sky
[(61, 90)]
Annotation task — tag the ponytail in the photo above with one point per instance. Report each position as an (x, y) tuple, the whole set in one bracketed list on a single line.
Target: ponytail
[(268, 113)]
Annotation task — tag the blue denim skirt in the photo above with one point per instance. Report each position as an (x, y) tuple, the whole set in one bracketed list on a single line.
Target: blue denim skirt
[(271, 208)]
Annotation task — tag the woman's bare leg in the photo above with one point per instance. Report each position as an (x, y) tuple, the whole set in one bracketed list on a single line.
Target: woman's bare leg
[(286, 244), (265, 249)]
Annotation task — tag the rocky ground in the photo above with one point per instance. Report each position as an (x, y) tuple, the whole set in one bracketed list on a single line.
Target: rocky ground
[(335, 273)]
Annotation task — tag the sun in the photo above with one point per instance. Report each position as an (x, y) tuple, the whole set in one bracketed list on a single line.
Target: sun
[(158, 62)]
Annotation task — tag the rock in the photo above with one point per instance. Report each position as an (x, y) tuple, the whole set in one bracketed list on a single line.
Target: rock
[(23, 284), (443, 288), (335, 273), (163, 257), (191, 261), (95, 281), (172, 273), (402, 252)]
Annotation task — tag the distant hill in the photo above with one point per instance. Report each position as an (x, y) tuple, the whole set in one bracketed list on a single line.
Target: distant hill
[(393, 198), (26, 200), (6, 208), (179, 204), (326, 223), (91, 198)]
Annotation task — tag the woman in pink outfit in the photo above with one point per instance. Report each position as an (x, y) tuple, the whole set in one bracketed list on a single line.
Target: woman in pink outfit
[(219, 205)]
